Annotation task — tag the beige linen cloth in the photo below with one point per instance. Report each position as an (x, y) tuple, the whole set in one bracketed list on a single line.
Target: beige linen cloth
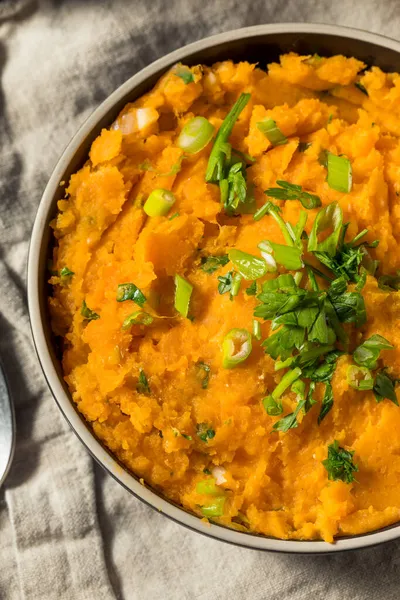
[(67, 529)]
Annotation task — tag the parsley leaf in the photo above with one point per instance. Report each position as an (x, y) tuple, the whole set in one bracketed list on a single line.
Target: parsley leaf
[(290, 421), (129, 291), (185, 74), (367, 353), (87, 313), (339, 464), (206, 375), (252, 289), (389, 283), (65, 272), (143, 386), (384, 388), (290, 191), (205, 432), (327, 402), (210, 264)]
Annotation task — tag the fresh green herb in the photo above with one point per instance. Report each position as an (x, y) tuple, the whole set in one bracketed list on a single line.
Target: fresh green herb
[(208, 487), (236, 282), (249, 266), (221, 149), (173, 216), (327, 402), (303, 146), (290, 421), (339, 176), (271, 404), (290, 191), (206, 375), (187, 437), (210, 264), (361, 88), (287, 256), (87, 313), (185, 74), (234, 188), (215, 508), (183, 292), (367, 353), (205, 432), (385, 387), (359, 378), (129, 291), (257, 329), (330, 119), (143, 386), (270, 129), (159, 203), (339, 464), (225, 283), (65, 273), (236, 347), (252, 289), (137, 318), (195, 135), (389, 283), (262, 211), (329, 219), (272, 407)]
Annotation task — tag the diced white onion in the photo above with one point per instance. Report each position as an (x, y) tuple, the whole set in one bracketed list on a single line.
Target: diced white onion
[(218, 474)]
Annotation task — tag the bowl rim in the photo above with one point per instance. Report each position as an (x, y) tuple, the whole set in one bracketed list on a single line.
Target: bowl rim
[(65, 403)]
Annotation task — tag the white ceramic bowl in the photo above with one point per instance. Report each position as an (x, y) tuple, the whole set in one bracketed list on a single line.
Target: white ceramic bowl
[(262, 43)]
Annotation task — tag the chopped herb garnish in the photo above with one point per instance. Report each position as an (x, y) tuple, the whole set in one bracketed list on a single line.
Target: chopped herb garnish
[(89, 314), (339, 464), (210, 264), (252, 289), (206, 375), (249, 266), (187, 437), (367, 353), (339, 176), (143, 386), (389, 283), (236, 347), (290, 421), (173, 216), (129, 291), (137, 318), (385, 387), (215, 508), (183, 292), (270, 129), (65, 273), (287, 256), (185, 74), (361, 88), (327, 402), (225, 283), (205, 432), (290, 191), (360, 378)]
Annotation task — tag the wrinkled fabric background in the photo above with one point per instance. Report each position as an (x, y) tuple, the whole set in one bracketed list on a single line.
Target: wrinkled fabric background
[(67, 530)]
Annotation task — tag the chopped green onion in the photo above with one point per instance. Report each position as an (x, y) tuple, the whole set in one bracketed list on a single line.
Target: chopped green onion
[(209, 264), (206, 376), (183, 291), (257, 329), (385, 388), (215, 508), (185, 74), (287, 256), (291, 191), (129, 291), (252, 289), (195, 135), (328, 219), (208, 486), (272, 407), (172, 217), (159, 203), (221, 149), (249, 266), (65, 272), (275, 211), (205, 432), (262, 211), (270, 129), (137, 318), (236, 347), (298, 277), (236, 281), (340, 176), (143, 386), (87, 313), (286, 381), (359, 378)]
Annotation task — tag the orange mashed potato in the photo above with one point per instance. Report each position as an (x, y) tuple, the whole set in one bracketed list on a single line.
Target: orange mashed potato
[(274, 483)]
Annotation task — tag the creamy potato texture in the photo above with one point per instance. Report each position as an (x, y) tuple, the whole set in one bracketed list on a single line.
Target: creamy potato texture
[(143, 388)]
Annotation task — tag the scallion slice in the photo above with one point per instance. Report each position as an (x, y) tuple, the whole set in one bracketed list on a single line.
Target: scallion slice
[(360, 378), (215, 508), (270, 129), (137, 318), (287, 256), (208, 486), (236, 281), (195, 135), (183, 291), (159, 203), (249, 266), (339, 176), (257, 329), (129, 291), (236, 347)]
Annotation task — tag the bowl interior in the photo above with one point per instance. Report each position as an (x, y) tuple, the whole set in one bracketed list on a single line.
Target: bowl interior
[(262, 44)]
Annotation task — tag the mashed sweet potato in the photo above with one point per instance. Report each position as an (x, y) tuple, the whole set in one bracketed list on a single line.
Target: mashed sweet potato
[(157, 395)]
